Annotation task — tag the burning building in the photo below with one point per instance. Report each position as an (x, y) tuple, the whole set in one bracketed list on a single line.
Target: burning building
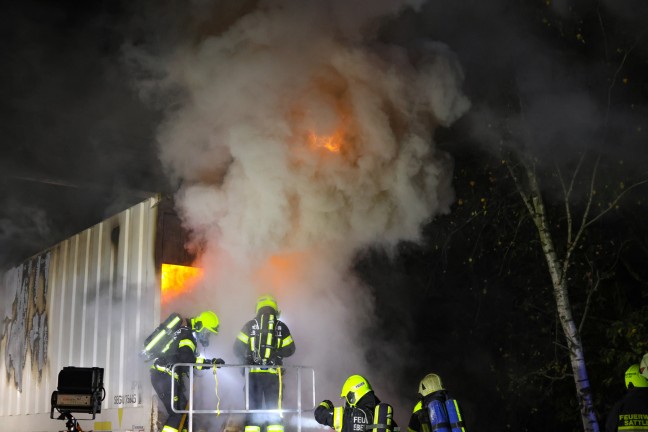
[(90, 301), (294, 139)]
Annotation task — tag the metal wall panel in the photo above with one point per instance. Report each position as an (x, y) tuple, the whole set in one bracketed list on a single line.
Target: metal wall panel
[(88, 301)]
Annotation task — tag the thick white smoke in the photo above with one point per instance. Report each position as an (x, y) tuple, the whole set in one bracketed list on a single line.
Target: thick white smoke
[(299, 140)]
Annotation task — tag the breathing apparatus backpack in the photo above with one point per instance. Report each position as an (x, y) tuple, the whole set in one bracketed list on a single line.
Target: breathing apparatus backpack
[(383, 419), (158, 341), (265, 339), (445, 417)]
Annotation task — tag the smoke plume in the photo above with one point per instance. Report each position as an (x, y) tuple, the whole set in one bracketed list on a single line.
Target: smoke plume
[(296, 139)]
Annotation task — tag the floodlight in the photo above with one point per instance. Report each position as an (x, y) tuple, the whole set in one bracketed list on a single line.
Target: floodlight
[(80, 390)]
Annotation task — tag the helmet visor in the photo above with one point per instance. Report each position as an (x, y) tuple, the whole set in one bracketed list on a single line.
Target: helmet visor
[(203, 338)]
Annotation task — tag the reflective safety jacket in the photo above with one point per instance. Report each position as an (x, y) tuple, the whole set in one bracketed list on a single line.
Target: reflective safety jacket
[(630, 413), (182, 349), (348, 418), (420, 419), (280, 341)]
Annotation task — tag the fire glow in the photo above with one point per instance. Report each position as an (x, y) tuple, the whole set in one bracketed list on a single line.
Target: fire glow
[(281, 271), (177, 279), (332, 143)]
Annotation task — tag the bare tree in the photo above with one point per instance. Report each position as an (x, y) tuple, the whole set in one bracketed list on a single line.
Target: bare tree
[(527, 181)]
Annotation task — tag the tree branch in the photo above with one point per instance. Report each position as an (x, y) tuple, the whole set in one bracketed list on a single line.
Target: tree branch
[(615, 202), (590, 198), (589, 299)]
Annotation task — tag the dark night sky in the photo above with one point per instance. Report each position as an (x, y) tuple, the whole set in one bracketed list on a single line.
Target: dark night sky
[(77, 145)]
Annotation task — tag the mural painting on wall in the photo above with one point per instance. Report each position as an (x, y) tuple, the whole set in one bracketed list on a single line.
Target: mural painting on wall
[(24, 319)]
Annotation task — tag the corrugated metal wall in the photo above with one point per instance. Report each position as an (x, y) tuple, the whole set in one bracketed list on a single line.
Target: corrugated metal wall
[(89, 301)]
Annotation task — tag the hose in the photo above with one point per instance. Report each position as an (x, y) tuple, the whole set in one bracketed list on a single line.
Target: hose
[(218, 413), (280, 392)]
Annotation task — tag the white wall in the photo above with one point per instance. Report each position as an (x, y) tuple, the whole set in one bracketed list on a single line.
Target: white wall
[(88, 301)]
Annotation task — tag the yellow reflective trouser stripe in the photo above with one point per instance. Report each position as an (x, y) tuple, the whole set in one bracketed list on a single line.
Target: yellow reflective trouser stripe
[(337, 418), (287, 341), (243, 337), (252, 428), (274, 428), (187, 342), (169, 429)]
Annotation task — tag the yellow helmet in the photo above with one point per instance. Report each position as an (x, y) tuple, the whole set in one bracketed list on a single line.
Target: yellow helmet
[(429, 384), (354, 388), (267, 301), (206, 320), (633, 378)]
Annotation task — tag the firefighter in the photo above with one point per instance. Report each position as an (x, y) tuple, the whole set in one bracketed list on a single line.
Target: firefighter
[(182, 349), (433, 394), (264, 342), (359, 410), (630, 413)]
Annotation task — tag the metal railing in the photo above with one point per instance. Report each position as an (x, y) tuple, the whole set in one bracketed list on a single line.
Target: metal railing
[(190, 411)]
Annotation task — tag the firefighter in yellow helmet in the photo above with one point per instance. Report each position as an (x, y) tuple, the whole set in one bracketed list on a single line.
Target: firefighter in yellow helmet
[(630, 413), (434, 406), (181, 348), (359, 410), (264, 342)]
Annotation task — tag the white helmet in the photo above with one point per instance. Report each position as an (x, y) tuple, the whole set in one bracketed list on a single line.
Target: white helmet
[(429, 384), (643, 366)]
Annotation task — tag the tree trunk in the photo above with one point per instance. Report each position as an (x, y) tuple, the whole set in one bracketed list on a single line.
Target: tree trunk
[(557, 270)]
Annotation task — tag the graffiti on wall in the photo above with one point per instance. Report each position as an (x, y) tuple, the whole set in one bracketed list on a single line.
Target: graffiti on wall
[(24, 324)]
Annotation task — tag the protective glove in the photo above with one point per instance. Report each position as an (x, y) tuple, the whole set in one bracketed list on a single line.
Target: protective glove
[(323, 411), (217, 361), (327, 404)]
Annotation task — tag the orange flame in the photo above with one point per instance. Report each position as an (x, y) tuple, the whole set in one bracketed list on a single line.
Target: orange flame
[(176, 280), (332, 143)]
